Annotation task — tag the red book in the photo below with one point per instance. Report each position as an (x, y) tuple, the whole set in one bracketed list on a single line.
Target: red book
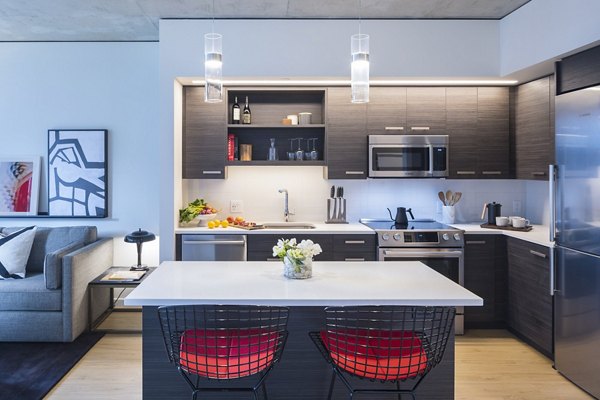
[(230, 146)]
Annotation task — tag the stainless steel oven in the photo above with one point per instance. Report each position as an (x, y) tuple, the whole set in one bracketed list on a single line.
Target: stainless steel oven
[(408, 156)]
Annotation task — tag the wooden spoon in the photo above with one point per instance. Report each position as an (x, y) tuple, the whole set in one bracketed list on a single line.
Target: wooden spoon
[(448, 197), (456, 197), (442, 198)]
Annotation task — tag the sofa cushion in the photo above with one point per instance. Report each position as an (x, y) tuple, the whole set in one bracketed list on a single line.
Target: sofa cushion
[(29, 294), (14, 253), (53, 265), (48, 240)]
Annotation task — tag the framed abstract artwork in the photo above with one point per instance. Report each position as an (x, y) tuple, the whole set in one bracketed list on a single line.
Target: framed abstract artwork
[(77, 173), (19, 185)]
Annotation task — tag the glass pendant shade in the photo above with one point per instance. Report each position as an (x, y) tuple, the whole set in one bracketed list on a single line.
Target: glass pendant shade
[(359, 45), (213, 67)]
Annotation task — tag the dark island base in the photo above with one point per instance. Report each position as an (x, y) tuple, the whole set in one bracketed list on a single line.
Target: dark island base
[(301, 374)]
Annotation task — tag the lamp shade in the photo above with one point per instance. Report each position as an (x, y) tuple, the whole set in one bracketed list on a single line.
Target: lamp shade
[(213, 67), (359, 68), (140, 236)]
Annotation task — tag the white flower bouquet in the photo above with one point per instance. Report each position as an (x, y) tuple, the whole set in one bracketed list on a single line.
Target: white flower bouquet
[(296, 257)]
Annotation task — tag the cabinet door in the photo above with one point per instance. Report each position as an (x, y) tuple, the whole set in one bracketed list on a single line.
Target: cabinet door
[(386, 111), (426, 108), (461, 126), (485, 275), (260, 247), (493, 132), (529, 300), (204, 140), (534, 129), (347, 141)]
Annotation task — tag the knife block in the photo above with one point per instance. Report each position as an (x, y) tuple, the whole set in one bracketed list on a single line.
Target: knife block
[(336, 211)]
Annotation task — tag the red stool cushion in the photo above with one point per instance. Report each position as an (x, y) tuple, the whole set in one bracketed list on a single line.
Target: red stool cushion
[(375, 354), (227, 354)]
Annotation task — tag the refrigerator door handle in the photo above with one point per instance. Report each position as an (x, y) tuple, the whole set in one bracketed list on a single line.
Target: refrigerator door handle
[(552, 272), (552, 200)]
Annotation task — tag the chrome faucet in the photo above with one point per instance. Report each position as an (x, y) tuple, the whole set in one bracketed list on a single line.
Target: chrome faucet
[(286, 208)]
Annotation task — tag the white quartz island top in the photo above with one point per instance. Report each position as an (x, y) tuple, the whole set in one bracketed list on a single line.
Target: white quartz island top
[(333, 283)]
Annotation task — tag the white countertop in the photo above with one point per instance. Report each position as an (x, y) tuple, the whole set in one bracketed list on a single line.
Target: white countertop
[(321, 228), (540, 234), (333, 283)]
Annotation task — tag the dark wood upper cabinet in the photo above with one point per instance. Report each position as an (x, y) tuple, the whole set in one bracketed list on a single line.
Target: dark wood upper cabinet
[(461, 126), (578, 71), (204, 139), (493, 136), (386, 111), (426, 108), (347, 140), (534, 129)]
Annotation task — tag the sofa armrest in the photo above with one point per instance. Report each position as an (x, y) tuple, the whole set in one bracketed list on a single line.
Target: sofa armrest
[(79, 268)]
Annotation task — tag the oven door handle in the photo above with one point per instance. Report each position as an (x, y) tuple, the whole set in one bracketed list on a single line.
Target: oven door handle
[(416, 254), (430, 160)]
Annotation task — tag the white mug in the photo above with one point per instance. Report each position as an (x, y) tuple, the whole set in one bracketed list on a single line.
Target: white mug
[(510, 219), (520, 222), (501, 221)]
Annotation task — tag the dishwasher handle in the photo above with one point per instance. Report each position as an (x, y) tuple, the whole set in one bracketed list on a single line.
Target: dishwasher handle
[(216, 242)]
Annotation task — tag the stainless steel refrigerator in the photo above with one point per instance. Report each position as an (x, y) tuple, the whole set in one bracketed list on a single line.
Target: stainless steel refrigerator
[(575, 225)]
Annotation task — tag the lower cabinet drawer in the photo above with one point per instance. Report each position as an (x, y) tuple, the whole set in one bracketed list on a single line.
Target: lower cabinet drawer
[(354, 256)]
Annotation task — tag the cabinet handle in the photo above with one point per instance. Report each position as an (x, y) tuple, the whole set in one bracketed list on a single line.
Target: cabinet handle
[(212, 172), (419, 128), (475, 242), (272, 259), (354, 259), (394, 128), (355, 172), (354, 241), (538, 173), (552, 271), (465, 172), (491, 172), (537, 254)]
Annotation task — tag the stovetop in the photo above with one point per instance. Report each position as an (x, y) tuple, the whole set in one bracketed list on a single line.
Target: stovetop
[(413, 225)]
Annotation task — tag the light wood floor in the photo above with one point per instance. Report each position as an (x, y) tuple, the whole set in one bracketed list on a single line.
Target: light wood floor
[(489, 365)]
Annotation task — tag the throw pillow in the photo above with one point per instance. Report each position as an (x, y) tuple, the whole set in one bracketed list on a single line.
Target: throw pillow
[(14, 253)]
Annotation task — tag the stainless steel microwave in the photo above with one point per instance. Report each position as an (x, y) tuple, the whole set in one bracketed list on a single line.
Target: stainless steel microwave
[(408, 156)]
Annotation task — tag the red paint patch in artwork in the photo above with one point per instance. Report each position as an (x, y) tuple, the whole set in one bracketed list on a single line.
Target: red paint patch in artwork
[(23, 195)]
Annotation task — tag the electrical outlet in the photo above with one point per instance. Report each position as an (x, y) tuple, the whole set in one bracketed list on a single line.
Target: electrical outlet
[(236, 206), (516, 207)]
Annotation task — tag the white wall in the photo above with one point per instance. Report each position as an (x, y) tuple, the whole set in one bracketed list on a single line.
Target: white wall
[(284, 48), (110, 86), (544, 30)]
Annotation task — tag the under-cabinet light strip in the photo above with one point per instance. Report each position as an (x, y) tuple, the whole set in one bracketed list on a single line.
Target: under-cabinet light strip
[(373, 82)]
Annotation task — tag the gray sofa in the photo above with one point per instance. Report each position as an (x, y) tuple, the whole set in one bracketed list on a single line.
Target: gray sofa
[(51, 303)]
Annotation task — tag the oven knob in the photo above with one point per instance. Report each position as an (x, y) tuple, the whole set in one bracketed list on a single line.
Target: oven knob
[(397, 236), (385, 236), (457, 236), (445, 236)]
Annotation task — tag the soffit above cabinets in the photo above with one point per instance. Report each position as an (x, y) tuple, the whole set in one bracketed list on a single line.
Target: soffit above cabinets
[(137, 20)]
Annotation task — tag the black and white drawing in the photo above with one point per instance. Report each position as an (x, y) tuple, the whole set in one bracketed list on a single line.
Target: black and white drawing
[(77, 173)]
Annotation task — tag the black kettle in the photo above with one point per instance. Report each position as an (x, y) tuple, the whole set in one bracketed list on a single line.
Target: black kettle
[(401, 218), (493, 211)]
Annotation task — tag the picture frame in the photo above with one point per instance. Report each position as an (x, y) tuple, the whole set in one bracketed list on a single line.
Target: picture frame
[(78, 173), (19, 185)]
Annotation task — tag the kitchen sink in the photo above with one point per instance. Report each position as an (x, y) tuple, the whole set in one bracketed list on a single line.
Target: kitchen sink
[(288, 225)]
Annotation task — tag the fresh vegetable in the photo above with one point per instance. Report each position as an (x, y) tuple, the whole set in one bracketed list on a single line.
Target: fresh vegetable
[(195, 208)]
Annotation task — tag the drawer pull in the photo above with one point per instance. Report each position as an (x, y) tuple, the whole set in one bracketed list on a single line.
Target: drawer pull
[(491, 172), (465, 172), (355, 172), (354, 241), (394, 128), (475, 242), (419, 128), (212, 172), (538, 173), (354, 259), (272, 259), (537, 254)]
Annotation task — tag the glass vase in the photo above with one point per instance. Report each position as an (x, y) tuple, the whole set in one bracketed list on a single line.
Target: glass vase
[(294, 269)]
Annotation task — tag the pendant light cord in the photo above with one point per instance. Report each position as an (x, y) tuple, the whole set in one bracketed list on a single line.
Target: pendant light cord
[(213, 16), (359, 15)]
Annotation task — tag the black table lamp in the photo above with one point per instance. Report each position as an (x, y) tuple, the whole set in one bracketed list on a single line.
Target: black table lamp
[(138, 237)]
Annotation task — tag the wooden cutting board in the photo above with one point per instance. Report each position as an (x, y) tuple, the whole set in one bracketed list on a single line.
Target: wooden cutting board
[(507, 228)]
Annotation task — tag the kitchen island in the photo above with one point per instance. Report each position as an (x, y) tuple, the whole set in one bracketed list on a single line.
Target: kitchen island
[(302, 372)]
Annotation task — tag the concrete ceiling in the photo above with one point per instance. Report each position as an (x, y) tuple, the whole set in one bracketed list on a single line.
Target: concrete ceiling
[(137, 20)]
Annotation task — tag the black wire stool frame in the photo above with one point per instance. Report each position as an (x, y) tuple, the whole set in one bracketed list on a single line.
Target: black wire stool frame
[(224, 342), (388, 344)]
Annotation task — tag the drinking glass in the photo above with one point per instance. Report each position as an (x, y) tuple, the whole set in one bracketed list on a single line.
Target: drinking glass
[(299, 152), (314, 154), (291, 154)]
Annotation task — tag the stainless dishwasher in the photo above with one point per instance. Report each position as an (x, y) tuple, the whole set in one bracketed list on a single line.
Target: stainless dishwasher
[(213, 247)]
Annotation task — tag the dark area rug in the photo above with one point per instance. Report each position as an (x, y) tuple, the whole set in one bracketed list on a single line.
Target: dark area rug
[(28, 371)]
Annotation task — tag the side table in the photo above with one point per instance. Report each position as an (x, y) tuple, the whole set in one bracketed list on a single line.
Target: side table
[(112, 285)]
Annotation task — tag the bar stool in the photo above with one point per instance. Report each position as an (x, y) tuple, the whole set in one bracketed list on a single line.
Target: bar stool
[(210, 343), (387, 344)]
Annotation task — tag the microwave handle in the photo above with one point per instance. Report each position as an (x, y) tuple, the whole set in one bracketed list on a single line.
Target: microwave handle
[(430, 160)]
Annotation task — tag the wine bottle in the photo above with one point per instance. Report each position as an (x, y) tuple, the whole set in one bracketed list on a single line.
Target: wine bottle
[(247, 118), (235, 112)]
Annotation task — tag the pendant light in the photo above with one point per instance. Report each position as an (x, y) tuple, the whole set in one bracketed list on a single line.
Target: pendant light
[(213, 64), (359, 68)]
